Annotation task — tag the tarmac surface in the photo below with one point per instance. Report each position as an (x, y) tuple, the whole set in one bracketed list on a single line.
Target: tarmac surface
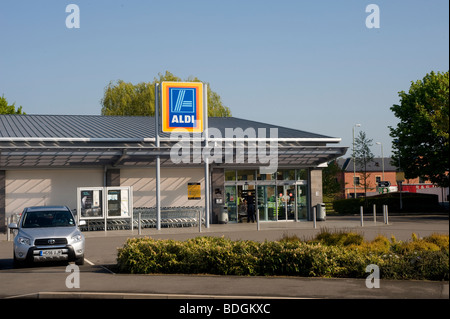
[(96, 279)]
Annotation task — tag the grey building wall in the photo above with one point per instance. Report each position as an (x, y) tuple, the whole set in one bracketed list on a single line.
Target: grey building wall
[(218, 191), (2, 201), (315, 182)]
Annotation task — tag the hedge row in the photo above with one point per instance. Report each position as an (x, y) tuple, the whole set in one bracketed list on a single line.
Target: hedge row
[(411, 202), (426, 258)]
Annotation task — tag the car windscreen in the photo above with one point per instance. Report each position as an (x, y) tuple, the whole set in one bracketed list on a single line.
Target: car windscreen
[(48, 219)]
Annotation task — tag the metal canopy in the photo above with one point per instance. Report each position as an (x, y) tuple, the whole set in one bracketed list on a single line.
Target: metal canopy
[(62, 141), (65, 155)]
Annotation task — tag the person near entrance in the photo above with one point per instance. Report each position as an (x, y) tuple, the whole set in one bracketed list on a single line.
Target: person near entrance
[(250, 209)]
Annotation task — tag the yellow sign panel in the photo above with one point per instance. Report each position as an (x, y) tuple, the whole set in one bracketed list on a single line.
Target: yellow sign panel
[(182, 107), (400, 176), (194, 191)]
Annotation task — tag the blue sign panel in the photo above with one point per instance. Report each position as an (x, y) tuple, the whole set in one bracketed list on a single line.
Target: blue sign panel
[(182, 106)]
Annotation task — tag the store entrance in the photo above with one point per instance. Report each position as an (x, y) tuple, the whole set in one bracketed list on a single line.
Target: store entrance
[(286, 202), (282, 196), (267, 203), (241, 203)]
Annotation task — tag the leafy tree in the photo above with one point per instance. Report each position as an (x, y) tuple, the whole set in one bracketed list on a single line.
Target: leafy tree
[(332, 186), (122, 98), (363, 156), (6, 108), (421, 138), (128, 99)]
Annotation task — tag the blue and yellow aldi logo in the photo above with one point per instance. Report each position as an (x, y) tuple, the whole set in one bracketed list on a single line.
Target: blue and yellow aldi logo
[(182, 106)]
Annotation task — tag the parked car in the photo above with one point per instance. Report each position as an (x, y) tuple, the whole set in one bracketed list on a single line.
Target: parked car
[(47, 233)]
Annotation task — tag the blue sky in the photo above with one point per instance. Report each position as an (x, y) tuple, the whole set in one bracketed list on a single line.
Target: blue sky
[(309, 65)]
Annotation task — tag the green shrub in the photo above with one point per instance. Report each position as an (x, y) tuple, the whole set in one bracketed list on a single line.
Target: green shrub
[(442, 241), (380, 245), (338, 254), (340, 238)]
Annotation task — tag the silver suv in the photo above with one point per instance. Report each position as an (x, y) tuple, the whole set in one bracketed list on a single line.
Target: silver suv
[(47, 233)]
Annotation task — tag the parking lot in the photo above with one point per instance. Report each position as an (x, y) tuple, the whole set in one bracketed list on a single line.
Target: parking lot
[(97, 280)]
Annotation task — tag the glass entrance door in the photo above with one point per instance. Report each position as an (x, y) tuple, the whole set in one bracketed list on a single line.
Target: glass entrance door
[(267, 202), (286, 202), (230, 202), (282, 196), (246, 202), (302, 202)]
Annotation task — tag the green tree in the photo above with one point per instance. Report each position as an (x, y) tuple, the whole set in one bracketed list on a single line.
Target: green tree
[(421, 138), (363, 156), (332, 186), (6, 108), (124, 98), (127, 99)]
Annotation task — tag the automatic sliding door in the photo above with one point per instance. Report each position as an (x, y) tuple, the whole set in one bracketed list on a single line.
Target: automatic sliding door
[(286, 202), (267, 203), (302, 203), (231, 200)]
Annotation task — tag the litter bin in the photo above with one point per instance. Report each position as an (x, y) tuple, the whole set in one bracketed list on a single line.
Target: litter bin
[(321, 211), (223, 216)]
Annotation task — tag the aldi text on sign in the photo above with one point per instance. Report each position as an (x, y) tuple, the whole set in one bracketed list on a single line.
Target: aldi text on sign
[(182, 106)]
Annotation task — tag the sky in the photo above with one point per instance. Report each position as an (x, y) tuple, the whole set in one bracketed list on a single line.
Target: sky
[(308, 65)]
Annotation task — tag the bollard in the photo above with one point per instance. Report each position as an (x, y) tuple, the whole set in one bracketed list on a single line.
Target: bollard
[(374, 213), (257, 220), (314, 217), (387, 215), (8, 230), (139, 223), (199, 220), (361, 212)]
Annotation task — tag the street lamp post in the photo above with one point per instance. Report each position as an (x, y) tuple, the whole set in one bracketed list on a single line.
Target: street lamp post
[(382, 158), (354, 165)]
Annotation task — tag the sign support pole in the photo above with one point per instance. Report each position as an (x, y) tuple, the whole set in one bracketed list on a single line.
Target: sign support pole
[(206, 158), (158, 162)]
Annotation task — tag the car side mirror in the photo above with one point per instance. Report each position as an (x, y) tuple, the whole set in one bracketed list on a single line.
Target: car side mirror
[(13, 226), (82, 223)]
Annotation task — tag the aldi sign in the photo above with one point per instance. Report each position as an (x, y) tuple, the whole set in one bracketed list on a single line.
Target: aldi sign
[(182, 106)]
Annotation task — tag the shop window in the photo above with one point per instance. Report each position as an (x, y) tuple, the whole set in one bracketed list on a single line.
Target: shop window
[(286, 174), (302, 174), (230, 175), (266, 177), (246, 175)]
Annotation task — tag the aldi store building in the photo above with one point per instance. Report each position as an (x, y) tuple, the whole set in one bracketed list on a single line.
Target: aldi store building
[(44, 159)]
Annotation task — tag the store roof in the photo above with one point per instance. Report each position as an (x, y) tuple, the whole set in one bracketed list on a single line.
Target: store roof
[(97, 128), (93, 140)]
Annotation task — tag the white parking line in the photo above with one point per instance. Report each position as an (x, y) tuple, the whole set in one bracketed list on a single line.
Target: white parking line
[(122, 295), (89, 262)]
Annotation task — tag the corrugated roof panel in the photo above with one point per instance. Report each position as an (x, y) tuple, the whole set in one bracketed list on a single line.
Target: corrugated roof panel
[(113, 127)]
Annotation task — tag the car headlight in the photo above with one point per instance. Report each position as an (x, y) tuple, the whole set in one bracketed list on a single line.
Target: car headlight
[(77, 238), (24, 241)]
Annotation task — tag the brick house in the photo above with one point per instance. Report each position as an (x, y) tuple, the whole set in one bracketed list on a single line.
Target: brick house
[(375, 174)]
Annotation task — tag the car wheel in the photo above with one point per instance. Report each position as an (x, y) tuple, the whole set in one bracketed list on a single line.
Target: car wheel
[(79, 261), (18, 263)]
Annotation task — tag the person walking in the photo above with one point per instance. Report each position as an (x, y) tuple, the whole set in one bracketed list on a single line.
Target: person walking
[(250, 209)]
